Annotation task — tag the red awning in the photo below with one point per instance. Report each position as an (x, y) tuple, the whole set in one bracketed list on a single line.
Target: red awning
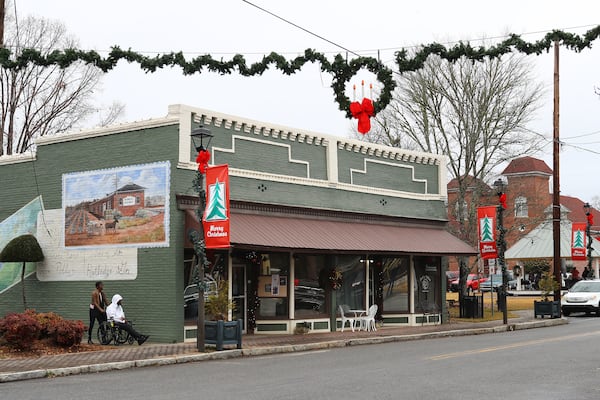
[(320, 234)]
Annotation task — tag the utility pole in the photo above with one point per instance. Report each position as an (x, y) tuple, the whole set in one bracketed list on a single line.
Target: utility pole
[(556, 178), (1, 24)]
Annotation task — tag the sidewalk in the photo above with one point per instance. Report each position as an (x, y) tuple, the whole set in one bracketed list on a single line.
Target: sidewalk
[(129, 356)]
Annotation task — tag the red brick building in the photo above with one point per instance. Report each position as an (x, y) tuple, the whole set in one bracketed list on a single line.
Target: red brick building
[(528, 188), (127, 200)]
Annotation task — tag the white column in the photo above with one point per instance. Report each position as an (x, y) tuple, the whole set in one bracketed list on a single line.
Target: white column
[(368, 267), (332, 160)]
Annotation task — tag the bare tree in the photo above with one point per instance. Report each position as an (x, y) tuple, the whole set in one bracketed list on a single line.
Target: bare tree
[(37, 101), (474, 113)]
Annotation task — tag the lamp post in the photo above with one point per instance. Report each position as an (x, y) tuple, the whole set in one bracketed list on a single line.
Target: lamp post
[(588, 227), (501, 243), (198, 136)]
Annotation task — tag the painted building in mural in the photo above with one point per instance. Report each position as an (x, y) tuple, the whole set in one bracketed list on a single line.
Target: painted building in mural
[(125, 201), (316, 221)]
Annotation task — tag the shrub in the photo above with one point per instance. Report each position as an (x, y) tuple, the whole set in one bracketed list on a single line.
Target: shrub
[(62, 332), (536, 266), (68, 333), (48, 322), (23, 330), (20, 330)]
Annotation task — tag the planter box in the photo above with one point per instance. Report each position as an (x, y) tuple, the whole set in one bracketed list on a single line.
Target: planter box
[(551, 308), (220, 333)]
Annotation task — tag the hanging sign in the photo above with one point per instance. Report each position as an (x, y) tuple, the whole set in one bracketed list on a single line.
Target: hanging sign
[(578, 241), (216, 213), (486, 218)]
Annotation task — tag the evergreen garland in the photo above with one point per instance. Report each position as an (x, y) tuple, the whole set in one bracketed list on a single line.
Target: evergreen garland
[(197, 238), (342, 70)]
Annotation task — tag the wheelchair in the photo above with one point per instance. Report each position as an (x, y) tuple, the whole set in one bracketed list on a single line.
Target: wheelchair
[(109, 332)]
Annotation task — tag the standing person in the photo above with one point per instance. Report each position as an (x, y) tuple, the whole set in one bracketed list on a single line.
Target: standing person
[(115, 312), (591, 274), (586, 273), (97, 308), (575, 275)]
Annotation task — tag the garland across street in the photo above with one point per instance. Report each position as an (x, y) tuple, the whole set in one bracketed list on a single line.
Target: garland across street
[(342, 69)]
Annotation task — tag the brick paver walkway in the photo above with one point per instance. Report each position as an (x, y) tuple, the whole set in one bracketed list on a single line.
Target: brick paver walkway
[(150, 351)]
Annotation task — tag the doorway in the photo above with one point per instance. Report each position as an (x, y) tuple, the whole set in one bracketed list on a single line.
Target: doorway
[(238, 293)]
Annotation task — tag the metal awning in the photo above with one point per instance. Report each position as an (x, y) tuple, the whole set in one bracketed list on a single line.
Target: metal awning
[(267, 231), (539, 243)]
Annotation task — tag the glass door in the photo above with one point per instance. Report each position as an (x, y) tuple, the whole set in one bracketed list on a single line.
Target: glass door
[(238, 292)]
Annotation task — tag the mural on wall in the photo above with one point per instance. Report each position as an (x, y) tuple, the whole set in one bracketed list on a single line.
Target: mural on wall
[(126, 206), (22, 222)]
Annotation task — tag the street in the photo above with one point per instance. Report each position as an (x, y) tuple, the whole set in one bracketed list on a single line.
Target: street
[(548, 363)]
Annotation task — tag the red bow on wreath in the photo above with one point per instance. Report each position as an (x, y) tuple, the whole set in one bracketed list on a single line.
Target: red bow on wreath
[(502, 199), (202, 160), (363, 112), (590, 219)]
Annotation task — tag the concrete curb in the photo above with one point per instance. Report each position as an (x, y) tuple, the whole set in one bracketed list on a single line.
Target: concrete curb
[(261, 351)]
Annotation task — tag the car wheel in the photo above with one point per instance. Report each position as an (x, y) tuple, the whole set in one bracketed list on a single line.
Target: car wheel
[(566, 313), (598, 311)]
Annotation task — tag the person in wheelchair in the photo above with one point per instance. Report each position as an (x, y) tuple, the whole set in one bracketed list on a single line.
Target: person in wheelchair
[(115, 312)]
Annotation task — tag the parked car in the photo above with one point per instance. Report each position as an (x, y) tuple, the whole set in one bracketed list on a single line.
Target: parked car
[(472, 283), (450, 276), (583, 296), (308, 295), (495, 281)]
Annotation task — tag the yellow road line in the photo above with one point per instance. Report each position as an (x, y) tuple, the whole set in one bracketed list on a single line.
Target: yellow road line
[(510, 346)]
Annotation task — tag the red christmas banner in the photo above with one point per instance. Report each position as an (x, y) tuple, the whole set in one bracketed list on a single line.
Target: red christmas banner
[(216, 213), (486, 218), (578, 241)]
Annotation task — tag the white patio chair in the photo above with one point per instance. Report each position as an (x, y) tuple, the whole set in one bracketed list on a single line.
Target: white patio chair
[(368, 321), (344, 313)]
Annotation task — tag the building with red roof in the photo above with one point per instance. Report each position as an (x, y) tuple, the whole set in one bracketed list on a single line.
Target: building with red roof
[(528, 189)]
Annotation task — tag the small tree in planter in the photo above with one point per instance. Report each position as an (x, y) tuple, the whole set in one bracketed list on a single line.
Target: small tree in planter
[(218, 305), (548, 286), (219, 331)]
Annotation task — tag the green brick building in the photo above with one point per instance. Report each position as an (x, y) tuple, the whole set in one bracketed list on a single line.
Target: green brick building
[(117, 204)]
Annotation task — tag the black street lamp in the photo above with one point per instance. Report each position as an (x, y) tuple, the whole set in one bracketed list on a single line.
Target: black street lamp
[(198, 136), (588, 227), (501, 243)]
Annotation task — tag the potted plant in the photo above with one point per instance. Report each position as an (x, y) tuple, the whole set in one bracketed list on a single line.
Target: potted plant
[(218, 330), (218, 304), (548, 285)]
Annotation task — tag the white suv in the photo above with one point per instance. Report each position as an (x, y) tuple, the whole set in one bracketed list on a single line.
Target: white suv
[(583, 296)]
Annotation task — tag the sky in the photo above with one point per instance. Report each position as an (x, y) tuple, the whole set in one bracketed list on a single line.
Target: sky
[(305, 100), (93, 185)]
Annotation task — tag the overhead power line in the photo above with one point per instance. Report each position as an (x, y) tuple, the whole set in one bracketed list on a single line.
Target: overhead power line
[(301, 28)]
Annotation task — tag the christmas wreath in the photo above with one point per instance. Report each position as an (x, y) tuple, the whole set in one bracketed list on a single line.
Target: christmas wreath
[(336, 279)]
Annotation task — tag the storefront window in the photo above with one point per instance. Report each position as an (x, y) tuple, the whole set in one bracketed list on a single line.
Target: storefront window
[(273, 285), (427, 284), (395, 284), (352, 290), (310, 286)]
